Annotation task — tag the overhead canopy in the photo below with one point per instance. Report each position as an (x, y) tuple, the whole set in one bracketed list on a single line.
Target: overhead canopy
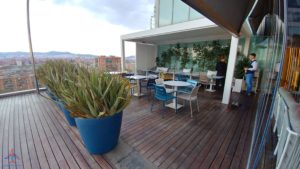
[(197, 30), (229, 14)]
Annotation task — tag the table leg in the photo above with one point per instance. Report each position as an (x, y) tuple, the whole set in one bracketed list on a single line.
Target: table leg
[(174, 104), (138, 93), (210, 86)]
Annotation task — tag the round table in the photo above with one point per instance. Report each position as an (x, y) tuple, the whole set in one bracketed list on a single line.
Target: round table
[(175, 84)]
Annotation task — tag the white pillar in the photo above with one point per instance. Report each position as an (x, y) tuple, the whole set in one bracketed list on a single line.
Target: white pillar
[(230, 69), (122, 55)]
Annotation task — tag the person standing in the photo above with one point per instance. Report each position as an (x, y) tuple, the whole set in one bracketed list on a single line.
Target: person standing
[(249, 73), (221, 69)]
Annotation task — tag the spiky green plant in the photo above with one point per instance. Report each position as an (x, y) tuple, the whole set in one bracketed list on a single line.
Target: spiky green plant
[(96, 94), (54, 71), (86, 93)]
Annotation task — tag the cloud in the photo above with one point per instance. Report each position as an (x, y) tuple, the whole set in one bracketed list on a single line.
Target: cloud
[(59, 27), (134, 14)]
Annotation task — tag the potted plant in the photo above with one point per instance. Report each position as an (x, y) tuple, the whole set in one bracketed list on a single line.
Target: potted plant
[(97, 100), (239, 73), (56, 75)]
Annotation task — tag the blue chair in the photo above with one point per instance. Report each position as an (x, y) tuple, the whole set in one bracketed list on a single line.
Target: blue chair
[(149, 85), (181, 77), (162, 95), (188, 89)]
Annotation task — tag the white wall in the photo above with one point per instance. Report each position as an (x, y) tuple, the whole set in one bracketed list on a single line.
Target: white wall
[(145, 56)]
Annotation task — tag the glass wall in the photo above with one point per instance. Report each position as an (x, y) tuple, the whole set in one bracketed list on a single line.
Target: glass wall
[(181, 12), (191, 55), (269, 45), (165, 12), (175, 11)]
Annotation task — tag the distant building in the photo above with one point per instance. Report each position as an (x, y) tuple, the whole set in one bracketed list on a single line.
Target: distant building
[(2, 87), (20, 82), (109, 63)]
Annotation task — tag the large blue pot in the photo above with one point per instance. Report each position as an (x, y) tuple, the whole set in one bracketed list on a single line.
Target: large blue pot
[(70, 119), (51, 94), (100, 135)]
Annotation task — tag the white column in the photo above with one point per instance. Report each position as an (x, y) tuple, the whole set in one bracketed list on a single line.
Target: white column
[(230, 69), (122, 55)]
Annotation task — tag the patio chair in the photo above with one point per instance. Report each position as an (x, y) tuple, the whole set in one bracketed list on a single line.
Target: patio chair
[(181, 77), (162, 95), (149, 85), (188, 89), (203, 79), (193, 96)]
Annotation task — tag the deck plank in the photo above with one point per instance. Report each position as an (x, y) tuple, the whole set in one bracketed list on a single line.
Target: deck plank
[(24, 145), (35, 135), (43, 138), (53, 145), (6, 149), (4, 107)]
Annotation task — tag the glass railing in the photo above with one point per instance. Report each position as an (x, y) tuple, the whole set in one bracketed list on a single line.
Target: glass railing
[(17, 75)]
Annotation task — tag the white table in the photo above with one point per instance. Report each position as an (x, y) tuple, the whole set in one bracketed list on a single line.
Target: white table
[(175, 84), (212, 81), (138, 78)]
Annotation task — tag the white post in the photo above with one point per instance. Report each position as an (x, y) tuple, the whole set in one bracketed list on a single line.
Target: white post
[(122, 55), (230, 69)]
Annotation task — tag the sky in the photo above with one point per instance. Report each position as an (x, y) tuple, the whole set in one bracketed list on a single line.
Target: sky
[(77, 26)]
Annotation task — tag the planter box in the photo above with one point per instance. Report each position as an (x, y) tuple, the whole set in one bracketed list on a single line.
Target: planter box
[(238, 83), (70, 119), (100, 135)]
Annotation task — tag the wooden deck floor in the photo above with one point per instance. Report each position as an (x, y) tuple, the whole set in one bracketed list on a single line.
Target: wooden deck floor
[(34, 134), (33, 129), (217, 137)]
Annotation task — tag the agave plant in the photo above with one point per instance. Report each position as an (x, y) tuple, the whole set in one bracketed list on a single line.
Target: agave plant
[(86, 93), (95, 94), (54, 72)]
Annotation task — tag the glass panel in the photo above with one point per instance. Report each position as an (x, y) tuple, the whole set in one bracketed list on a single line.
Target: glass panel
[(165, 12), (193, 60), (195, 14), (181, 12)]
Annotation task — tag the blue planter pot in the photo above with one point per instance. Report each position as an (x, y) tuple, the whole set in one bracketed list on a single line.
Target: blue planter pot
[(51, 95), (100, 135), (70, 119)]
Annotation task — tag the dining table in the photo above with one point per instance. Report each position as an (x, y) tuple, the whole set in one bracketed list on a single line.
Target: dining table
[(175, 85)]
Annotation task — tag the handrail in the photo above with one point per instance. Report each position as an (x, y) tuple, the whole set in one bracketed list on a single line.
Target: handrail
[(287, 124)]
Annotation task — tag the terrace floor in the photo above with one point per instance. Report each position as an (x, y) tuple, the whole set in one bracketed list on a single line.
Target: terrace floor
[(33, 130)]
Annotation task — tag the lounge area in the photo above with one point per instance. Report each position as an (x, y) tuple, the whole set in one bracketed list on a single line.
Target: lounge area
[(217, 136)]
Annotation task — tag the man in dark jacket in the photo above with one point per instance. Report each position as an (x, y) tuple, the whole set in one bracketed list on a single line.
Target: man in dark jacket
[(221, 69)]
